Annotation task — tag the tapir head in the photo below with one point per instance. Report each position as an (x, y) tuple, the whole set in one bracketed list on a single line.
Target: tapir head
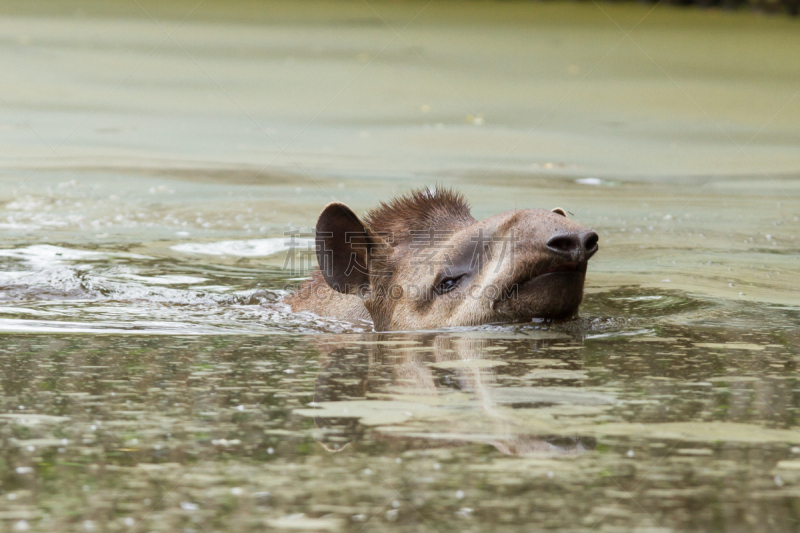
[(422, 261)]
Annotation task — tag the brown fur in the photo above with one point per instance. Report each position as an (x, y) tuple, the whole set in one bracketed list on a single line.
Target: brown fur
[(417, 211), (421, 210), (308, 296)]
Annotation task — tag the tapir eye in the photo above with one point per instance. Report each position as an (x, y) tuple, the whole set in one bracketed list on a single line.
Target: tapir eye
[(448, 284)]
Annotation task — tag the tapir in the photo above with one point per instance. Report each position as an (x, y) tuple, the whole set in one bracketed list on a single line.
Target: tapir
[(422, 261)]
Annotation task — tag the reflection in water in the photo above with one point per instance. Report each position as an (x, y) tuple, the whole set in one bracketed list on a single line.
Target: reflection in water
[(450, 377)]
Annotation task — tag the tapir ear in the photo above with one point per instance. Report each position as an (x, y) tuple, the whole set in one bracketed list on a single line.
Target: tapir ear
[(560, 211), (343, 249)]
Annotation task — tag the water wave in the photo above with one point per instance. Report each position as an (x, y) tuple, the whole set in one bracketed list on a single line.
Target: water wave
[(46, 288)]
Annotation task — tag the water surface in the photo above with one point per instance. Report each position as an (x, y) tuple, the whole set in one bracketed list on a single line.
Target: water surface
[(161, 168)]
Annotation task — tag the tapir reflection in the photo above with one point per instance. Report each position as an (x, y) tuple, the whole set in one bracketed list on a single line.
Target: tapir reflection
[(431, 370)]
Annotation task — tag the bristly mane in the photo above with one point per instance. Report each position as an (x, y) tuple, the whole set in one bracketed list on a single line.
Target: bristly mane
[(420, 210)]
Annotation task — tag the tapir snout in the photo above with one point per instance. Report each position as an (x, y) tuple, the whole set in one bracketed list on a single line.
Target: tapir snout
[(574, 245)]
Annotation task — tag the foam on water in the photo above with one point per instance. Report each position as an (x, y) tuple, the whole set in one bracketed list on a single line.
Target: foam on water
[(82, 291), (165, 280), (46, 255), (246, 248)]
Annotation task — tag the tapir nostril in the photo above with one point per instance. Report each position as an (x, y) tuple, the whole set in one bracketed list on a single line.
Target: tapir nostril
[(590, 239), (564, 243)]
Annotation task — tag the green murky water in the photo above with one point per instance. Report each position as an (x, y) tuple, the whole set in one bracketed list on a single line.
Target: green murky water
[(154, 158)]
